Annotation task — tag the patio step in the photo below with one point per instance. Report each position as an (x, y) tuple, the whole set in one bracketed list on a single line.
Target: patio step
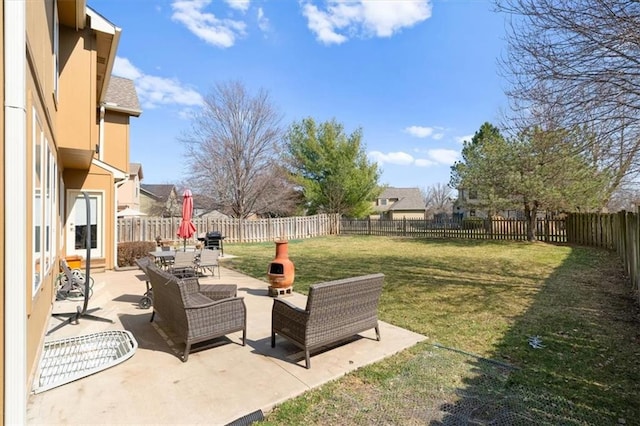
[(97, 264)]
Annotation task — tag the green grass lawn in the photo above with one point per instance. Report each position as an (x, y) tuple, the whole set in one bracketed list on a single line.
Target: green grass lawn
[(481, 301)]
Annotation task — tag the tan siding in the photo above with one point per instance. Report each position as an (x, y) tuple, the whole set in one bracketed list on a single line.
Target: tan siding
[(39, 31), (96, 179), (39, 85), (77, 100), (408, 215), (116, 143), (3, 201)]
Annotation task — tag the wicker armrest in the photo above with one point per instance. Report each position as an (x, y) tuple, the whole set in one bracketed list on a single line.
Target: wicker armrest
[(284, 305), (200, 303), (191, 284), (284, 312)]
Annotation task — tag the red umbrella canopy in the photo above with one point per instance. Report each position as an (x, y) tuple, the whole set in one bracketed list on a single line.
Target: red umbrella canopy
[(186, 229)]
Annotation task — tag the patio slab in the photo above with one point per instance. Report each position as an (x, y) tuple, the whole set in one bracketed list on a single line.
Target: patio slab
[(217, 385)]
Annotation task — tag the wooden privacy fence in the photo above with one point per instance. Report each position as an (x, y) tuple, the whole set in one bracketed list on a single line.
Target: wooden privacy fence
[(616, 231), (549, 230), (234, 230)]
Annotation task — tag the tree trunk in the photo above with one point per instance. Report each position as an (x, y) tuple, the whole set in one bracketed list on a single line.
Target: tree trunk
[(531, 213)]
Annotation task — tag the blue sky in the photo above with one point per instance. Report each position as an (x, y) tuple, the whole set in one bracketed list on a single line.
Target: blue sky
[(417, 76)]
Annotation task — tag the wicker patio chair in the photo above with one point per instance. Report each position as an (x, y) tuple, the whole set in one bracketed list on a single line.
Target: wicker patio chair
[(336, 310), (192, 315)]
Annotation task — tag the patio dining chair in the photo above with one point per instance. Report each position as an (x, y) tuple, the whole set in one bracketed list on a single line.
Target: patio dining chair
[(184, 264), (208, 260)]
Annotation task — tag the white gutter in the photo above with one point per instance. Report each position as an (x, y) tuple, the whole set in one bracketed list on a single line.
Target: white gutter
[(15, 220), (101, 135)]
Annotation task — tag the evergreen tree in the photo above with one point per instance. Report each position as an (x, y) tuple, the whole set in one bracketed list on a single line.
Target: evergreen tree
[(331, 168), (537, 170)]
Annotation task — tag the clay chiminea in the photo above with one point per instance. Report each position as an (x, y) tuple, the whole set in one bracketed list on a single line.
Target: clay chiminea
[(281, 271)]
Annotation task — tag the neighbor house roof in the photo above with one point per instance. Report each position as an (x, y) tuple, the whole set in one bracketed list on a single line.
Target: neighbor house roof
[(401, 199), (136, 169), (122, 96), (159, 192)]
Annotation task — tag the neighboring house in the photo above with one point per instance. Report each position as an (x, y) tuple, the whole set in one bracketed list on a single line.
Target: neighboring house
[(65, 130), (470, 204), (203, 205), (213, 214), (467, 205), (129, 191), (160, 200), (399, 203)]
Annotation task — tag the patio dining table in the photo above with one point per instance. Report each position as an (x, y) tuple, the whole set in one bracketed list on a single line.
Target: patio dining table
[(163, 258)]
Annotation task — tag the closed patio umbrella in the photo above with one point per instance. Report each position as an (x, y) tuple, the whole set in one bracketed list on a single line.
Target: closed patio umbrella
[(186, 228), (129, 212)]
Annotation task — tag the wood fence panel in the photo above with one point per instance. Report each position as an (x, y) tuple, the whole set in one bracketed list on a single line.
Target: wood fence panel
[(233, 230), (498, 229)]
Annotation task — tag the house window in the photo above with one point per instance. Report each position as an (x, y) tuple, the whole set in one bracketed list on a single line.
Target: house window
[(473, 194), (51, 198), (45, 211), (472, 213), (38, 270), (383, 201)]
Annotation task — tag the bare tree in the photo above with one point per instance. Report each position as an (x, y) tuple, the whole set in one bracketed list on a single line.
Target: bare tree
[(575, 64), (232, 152), (438, 200), (626, 197)]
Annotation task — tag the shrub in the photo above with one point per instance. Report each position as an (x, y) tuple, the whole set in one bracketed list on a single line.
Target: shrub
[(130, 251)]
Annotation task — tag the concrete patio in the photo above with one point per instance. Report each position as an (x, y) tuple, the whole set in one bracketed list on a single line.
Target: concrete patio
[(217, 385)]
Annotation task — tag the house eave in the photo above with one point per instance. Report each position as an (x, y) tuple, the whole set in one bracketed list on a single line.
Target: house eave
[(115, 108), (118, 174), (108, 38)]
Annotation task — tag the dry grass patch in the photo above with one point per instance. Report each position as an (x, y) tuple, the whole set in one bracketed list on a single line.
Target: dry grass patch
[(483, 299)]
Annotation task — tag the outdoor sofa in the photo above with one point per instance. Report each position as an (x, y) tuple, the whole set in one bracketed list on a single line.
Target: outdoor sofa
[(192, 311), (335, 311)]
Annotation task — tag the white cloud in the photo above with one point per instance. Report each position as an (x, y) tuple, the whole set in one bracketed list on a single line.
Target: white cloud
[(218, 32), (461, 139), (153, 90), (124, 68), (263, 21), (401, 158), (434, 157), (444, 156), (241, 5), (321, 24), (438, 136), (419, 131), (423, 162), (364, 18)]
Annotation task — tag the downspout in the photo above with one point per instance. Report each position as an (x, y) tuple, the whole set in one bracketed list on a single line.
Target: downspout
[(101, 135), (15, 220), (117, 185)]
